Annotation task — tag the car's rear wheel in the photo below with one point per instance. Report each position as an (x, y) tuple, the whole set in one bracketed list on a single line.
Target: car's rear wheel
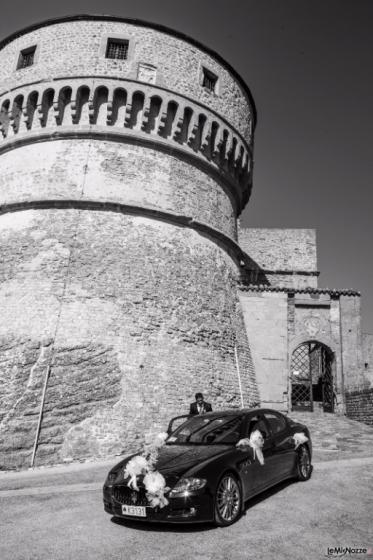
[(228, 500), (304, 467)]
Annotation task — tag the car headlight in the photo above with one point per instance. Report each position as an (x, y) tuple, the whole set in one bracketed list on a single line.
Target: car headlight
[(188, 485)]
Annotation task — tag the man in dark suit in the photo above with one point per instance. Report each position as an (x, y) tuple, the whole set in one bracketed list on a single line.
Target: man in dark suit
[(200, 406)]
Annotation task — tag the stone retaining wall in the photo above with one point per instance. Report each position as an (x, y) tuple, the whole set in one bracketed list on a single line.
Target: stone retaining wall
[(359, 405)]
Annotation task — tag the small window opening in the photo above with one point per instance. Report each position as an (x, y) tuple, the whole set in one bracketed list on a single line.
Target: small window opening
[(209, 80), (26, 57), (117, 48)]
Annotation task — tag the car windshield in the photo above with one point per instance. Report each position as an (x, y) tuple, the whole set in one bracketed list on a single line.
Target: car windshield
[(207, 430)]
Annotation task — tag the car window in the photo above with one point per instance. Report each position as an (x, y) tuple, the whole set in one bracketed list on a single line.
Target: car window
[(177, 422), (276, 422), (208, 430), (257, 422)]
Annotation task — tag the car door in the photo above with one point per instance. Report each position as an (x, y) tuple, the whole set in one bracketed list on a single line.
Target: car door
[(256, 476), (280, 452)]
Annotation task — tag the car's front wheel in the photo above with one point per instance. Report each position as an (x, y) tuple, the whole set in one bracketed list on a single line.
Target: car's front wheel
[(304, 467), (228, 501)]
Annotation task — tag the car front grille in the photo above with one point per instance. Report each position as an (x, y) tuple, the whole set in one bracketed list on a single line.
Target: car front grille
[(127, 496)]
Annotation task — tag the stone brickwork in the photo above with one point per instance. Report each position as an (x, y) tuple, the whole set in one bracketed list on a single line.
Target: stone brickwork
[(367, 350), (73, 89), (129, 334), (359, 405), (284, 310), (351, 343), (359, 383), (108, 172), (266, 322), (279, 320), (120, 185), (74, 47), (332, 319), (281, 257)]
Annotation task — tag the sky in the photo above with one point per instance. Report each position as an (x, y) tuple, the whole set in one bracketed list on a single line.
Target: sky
[(308, 64)]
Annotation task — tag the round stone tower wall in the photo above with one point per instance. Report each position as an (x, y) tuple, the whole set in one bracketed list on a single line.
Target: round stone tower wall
[(120, 183)]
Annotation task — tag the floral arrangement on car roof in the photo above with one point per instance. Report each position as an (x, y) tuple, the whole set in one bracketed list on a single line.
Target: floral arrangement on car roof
[(154, 481)]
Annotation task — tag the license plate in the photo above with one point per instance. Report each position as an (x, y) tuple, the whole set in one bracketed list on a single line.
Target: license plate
[(138, 511)]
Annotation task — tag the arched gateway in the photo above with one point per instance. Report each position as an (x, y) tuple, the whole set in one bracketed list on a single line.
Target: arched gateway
[(311, 377)]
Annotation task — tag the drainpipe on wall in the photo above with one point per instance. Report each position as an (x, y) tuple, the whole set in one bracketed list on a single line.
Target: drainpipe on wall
[(239, 375), (40, 416), (290, 335), (342, 372)]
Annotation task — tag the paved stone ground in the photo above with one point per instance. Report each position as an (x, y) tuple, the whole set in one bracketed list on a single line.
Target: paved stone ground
[(56, 513), (337, 437)]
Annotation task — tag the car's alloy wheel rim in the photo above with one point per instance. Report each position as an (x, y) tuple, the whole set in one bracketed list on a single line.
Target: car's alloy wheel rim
[(228, 499), (304, 462)]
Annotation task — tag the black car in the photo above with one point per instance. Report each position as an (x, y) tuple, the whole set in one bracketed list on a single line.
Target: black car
[(208, 477)]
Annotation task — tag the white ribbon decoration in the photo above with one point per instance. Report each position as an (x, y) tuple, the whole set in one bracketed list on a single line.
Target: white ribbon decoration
[(134, 468), (256, 442), (299, 438), (155, 485)]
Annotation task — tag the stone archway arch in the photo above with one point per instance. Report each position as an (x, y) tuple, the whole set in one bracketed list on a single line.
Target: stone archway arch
[(324, 339), (311, 376)]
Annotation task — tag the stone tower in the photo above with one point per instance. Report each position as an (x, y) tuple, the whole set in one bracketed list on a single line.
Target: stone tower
[(125, 160)]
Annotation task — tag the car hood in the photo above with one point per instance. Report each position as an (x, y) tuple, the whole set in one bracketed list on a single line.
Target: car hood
[(177, 459)]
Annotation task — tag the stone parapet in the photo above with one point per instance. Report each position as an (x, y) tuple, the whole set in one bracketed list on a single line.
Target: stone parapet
[(77, 46)]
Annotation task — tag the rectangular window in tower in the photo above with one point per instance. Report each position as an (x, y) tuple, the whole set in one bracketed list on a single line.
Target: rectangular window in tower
[(117, 48), (209, 80), (26, 57)]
